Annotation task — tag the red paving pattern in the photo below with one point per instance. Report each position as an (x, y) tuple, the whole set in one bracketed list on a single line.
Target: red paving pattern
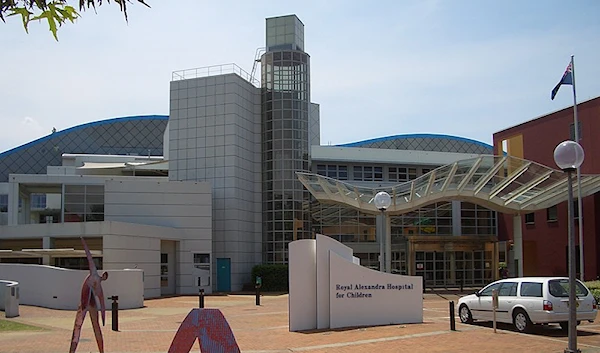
[(264, 329)]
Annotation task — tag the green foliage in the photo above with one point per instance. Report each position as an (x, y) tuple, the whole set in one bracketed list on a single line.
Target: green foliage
[(7, 325), (594, 287), (54, 12), (274, 277)]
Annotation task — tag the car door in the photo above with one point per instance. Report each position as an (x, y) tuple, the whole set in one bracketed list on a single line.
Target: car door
[(507, 296), (482, 306)]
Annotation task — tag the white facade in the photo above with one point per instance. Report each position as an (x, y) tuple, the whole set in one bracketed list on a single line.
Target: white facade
[(214, 136), (150, 223)]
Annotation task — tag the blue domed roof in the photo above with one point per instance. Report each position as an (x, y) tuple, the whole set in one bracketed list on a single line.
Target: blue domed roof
[(426, 142), (138, 135)]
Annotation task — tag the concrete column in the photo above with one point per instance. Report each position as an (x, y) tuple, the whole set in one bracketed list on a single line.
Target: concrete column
[(26, 209), (379, 229), (456, 218), (47, 243), (452, 260), (518, 244), (388, 242), (13, 204)]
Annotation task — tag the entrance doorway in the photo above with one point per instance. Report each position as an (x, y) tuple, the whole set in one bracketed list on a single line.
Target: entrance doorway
[(453, 268), (167, 267), (224, 275)]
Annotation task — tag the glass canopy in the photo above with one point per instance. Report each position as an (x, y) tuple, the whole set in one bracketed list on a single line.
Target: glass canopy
[(503, 183)]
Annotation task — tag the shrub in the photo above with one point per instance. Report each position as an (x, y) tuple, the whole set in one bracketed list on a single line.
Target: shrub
[(274, 277), (594, 287)]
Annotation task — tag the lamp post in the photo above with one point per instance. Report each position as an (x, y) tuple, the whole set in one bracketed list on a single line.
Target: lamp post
[(382, 201), (568, 156)]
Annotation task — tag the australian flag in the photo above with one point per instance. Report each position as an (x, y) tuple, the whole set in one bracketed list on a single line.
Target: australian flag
[(567, 79)]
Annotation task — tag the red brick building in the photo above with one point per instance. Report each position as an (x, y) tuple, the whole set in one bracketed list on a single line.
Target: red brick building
[(545, 233)]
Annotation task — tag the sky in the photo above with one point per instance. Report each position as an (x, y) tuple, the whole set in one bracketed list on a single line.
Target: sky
[(458, 67)]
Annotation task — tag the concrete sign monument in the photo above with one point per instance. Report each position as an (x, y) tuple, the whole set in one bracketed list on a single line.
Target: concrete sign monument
[(329, 289)]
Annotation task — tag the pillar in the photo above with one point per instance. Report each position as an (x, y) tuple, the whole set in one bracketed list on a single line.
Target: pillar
[(518, 244), (47, 243), (13, 204), (388, 242), (456, 218)]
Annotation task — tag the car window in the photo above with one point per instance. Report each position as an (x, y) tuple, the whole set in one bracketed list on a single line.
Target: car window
[(487, 291), (508, 289), (560, 288), (531, 289)]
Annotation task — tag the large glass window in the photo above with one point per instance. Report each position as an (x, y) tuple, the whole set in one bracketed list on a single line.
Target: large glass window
[(477, 220), (432, 219), (3, 203), (84, 203)]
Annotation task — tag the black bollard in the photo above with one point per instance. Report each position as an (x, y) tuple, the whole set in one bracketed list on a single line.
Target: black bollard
[(257, 287), (452, 323), (461, 285), (201, 298), (115, 312)]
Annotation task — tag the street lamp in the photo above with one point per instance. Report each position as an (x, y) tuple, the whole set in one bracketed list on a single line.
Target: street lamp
[(382, 201), (568, 156)]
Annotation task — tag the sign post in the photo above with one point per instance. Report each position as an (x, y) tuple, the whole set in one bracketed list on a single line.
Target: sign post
[(494, 305)]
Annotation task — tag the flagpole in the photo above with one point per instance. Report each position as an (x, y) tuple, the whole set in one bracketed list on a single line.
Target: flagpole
[(579, 201)]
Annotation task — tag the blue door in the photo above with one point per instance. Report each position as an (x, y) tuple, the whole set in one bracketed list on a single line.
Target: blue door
[(224, 275)]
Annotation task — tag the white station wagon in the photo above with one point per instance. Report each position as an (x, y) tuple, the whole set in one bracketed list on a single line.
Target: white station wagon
[(527, 301)]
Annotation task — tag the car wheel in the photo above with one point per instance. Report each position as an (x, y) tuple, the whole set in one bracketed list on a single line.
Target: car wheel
[(521, 321), (465, 314)]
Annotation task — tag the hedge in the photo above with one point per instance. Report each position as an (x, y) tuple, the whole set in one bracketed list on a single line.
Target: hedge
[(274, 277), (594, 287)]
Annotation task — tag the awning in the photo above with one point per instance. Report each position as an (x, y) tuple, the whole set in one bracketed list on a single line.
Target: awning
[(136, 165), (92, 165), (502, 183), (47, 252)]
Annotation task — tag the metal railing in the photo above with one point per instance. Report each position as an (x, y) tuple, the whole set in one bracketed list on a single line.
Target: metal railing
[(214, 71)]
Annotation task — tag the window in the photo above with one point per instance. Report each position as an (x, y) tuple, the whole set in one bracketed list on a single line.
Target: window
[(77, 263), (508, 289), (3, 203), (401, 174), (530, 218), (38, 201), (339, 172), (477, 220), (84, 203), (487, 291), (368, 173), (560, 288), (551, 214), (531, 289)]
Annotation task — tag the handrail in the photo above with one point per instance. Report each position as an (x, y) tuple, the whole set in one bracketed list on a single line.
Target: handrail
[(214, 71)]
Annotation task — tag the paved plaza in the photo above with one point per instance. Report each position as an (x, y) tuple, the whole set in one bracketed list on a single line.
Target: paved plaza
[(264, 329)]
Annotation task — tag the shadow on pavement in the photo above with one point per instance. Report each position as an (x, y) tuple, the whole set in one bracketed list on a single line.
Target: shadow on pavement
[(550, 330)]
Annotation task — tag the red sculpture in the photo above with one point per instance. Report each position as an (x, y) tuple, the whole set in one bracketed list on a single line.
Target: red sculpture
[(92, 297), (210, 328)]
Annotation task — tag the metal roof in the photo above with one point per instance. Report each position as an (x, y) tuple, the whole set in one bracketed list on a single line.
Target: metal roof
[(502, 183), (425, 142)]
